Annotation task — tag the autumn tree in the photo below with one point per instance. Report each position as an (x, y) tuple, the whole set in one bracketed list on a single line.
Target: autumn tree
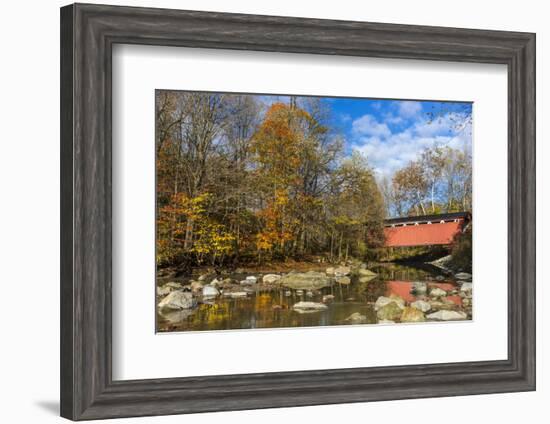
[(439, 181), (276, 147), (457, 174), (232, 182), (410, 185), (356, 209), (294, 153), (211, 239)]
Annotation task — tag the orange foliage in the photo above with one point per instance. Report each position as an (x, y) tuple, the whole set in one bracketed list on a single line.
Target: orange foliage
[(276, 226)]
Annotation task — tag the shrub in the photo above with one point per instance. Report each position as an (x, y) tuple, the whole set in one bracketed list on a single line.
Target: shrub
[(461, 251)]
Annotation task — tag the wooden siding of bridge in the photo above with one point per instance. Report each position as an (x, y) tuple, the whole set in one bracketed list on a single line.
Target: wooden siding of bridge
[(422, 234)]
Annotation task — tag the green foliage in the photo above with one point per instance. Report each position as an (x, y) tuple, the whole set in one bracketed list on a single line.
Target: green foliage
[(357, 209), (461, 252)]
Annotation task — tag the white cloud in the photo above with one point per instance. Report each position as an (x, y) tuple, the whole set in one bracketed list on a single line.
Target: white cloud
[(387, 152), (367, 125), (392, 153), (408, 109), (390, 118)]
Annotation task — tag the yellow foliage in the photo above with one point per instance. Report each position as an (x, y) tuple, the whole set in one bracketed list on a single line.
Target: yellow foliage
[(188, 228)]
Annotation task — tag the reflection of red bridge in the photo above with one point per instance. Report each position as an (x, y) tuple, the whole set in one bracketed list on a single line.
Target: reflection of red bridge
[(425, 230), (403, 289)]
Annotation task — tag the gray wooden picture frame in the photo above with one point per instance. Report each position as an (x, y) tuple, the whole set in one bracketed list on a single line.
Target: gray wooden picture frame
[(88, 33)]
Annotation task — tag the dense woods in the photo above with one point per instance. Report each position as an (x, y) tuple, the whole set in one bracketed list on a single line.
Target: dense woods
[(238, 180), (242, 180)]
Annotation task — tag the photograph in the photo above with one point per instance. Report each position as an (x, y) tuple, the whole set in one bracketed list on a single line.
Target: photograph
[(268, 212), (286, 211)]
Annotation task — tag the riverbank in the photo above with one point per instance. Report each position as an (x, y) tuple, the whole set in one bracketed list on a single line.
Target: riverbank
[(310, 264)]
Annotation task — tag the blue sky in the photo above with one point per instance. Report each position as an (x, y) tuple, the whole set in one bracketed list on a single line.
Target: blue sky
[(391, 133)]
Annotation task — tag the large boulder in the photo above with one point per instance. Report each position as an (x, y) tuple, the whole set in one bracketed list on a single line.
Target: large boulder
[(342, 270), (421, 305), (304, 307), (390, 311), (412, 315), (364, 272), (383, 301), (447, 316), (271, 278), (210, 291), (163, 291), (419, 288), (311, 280), (173, 285), (248, 281), (463, 276), (437, 292), (330, 270), (178, 300)]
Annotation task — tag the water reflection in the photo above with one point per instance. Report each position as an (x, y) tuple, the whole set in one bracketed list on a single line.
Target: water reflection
[(274, 308)]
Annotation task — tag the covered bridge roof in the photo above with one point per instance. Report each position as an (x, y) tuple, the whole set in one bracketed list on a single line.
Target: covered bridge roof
[(423, 219)]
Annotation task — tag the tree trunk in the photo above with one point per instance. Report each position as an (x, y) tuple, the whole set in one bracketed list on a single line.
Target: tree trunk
[(423, 210), (188, 234), (433, 191), (340, 247)]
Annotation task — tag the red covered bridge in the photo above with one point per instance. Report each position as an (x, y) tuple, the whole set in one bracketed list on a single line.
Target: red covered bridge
[(428, 230)]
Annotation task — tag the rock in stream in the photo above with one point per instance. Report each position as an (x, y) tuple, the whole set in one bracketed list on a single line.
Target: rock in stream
[(178, 300), (311, 280)]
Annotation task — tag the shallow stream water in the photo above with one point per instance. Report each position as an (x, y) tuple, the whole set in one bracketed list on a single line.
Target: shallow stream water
[(273, 308)]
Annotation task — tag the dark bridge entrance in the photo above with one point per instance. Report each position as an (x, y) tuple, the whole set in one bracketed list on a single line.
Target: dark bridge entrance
[(427, 230)]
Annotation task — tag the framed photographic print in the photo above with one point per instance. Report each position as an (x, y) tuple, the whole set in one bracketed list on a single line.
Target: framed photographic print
[(264, 212)]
